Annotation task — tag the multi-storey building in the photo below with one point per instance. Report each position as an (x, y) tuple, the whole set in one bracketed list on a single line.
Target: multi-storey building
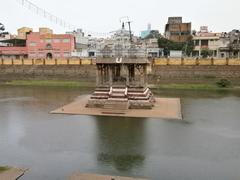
[(50, 45), (82, 43), (177, 31), (122, 44), (36, 45), (215, 43)]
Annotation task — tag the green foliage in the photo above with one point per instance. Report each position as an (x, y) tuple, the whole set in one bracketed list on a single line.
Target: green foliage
[(189, 86), (224, 83), (167, 45), (3, 168), (206, 53), (50, 83)]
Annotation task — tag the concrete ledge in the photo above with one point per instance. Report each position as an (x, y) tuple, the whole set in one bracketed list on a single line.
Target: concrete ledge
[(82, 176), (165, 108)]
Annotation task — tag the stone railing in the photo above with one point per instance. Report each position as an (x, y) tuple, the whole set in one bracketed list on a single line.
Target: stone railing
[(156, 62), (47, 62), (192, 62)]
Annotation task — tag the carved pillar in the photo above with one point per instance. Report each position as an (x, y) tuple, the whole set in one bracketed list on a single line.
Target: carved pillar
[(110, 72), (145, 74), (127, 76), (101, 74), (97, 76), (142, 81)]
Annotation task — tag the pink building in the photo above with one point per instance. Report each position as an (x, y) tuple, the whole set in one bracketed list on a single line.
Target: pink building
[(50, 45), (13, 52), (39, 45)]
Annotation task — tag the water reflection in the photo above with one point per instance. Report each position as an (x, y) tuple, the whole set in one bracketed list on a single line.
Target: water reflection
[(53, 146), (121, 142)]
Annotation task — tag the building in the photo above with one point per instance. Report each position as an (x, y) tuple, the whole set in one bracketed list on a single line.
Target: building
[(122, 44), (37, 45), (82, 43), (50, 45), (13, 48), (22, 32), (147, 32), (177, 31), (215, 43), (43, 31), (234, 46)]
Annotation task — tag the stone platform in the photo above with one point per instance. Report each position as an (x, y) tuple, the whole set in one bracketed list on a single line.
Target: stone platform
[(12, 174), (81, 176), (165, 108)]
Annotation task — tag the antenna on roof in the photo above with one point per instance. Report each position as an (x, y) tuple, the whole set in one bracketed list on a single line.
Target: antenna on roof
[(129, 25)]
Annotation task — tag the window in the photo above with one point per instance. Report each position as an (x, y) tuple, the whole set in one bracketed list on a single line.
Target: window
[(66, 54), (56, 40), (41, 55), (197, 43), (48, 46), (48, 40), (57, 55), (32, 44), (66, 40)]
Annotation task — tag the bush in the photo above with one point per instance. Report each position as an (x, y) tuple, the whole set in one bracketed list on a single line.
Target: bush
[(223, 83)]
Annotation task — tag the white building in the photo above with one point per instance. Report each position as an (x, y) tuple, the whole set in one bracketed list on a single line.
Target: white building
[(213, 42), (81, 43), (120, 44)]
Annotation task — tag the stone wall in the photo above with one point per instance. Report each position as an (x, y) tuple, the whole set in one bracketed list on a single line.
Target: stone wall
[(61, 72), (159, 73), (191, 73)]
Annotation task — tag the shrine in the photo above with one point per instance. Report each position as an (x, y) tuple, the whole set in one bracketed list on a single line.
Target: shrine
[(121, 84)]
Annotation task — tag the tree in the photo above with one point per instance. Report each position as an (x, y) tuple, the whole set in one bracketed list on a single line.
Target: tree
[(2, 29), (189, 47), (167, 45), (206, 53)]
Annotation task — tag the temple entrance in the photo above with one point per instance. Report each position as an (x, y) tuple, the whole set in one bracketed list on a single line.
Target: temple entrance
[(117, 75), (131, 70), (49, 56)]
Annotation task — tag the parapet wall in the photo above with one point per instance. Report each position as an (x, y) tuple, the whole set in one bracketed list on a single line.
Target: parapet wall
[(196, 62), (84, 70)]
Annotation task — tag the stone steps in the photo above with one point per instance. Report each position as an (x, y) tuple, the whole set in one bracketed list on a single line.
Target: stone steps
[(116, 106)]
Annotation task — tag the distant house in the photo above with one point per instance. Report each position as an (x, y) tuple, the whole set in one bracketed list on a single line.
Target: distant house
[(50, 45), (37, 45), (215, 43), (177, 31)]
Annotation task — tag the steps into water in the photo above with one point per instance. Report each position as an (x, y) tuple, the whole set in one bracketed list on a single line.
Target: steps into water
[(116, 106)]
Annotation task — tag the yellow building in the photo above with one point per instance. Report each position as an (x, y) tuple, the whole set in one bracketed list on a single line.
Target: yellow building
[(44, 31), (22, 32)]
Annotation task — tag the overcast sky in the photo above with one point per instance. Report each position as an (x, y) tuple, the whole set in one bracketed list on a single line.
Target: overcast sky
[(103, 15)]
